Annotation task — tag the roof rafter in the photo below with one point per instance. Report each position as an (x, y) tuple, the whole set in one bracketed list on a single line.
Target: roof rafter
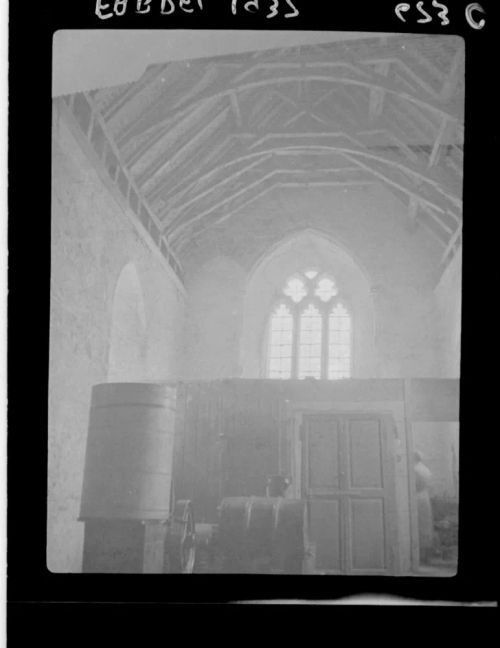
[(440, 230), (168, 160), (376, 95), (148, 117), (132, 90), (451, 81), (227, 180), (176, 189), (453, 244), (171, 121), (438, 142), (233, 97), (405, 67)]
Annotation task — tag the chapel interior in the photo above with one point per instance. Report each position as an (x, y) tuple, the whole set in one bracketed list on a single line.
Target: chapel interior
[(256, 292)]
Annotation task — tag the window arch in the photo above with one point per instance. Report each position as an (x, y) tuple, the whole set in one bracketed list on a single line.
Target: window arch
[(310, 330)]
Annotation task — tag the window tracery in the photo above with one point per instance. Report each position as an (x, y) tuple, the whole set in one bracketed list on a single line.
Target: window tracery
[(310, 331)]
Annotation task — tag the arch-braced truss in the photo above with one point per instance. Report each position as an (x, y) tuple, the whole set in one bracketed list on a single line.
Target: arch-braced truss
[(201, 139)]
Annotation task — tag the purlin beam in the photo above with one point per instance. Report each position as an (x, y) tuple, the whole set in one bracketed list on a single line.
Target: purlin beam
[(420, 174), (181, 241), (214, 187), (175, 229), (249, 167), (226, 167), (299, 148)]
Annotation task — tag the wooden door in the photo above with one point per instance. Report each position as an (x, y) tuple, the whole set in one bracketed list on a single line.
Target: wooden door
[(348, 482)]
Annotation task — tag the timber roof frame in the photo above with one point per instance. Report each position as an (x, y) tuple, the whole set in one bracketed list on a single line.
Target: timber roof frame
[(201, 138)]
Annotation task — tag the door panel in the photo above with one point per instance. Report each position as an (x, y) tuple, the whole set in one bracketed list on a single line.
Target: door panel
[(366, 523), (325, 532), (365, 460), (323, 446)]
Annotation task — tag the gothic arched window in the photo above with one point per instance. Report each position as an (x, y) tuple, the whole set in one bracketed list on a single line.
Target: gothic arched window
[(310, 331)]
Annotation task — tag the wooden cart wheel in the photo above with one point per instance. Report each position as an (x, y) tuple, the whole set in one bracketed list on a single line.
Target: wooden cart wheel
[(180, 546)]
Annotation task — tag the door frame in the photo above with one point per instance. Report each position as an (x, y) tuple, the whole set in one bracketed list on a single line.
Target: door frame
[(299, 470)]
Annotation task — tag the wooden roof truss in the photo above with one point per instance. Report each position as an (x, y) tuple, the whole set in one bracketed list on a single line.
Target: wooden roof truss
[(201, 139)]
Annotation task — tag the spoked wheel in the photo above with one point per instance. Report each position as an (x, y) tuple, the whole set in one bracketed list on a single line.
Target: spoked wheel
[(181, 547)]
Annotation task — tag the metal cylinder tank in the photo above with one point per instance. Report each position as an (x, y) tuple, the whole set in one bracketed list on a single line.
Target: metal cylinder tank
[(129, 458)]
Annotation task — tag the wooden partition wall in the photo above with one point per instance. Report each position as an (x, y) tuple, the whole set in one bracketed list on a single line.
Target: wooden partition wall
[(232, 434), (227, 441)]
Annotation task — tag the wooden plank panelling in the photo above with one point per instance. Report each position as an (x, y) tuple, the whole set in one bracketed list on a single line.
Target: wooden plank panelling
[(252, 423), (231, 434), (227, 442)]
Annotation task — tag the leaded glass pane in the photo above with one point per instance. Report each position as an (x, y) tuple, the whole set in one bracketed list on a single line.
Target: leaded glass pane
[(326, 289), (296, 290), (283, 342), (310, 343), (280, 343), (339, 343)]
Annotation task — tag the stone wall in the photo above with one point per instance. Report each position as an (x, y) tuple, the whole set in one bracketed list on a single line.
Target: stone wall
[(213, 320), (111, 300)]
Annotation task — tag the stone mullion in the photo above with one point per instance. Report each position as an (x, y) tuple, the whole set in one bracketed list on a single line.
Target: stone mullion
[(325, 333), (295, 308)]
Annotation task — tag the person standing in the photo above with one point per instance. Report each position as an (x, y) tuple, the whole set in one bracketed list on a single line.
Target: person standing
[(423, 483)]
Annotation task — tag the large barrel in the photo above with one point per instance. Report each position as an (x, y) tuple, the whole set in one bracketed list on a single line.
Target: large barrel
[(128, 464), (255, 531)]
